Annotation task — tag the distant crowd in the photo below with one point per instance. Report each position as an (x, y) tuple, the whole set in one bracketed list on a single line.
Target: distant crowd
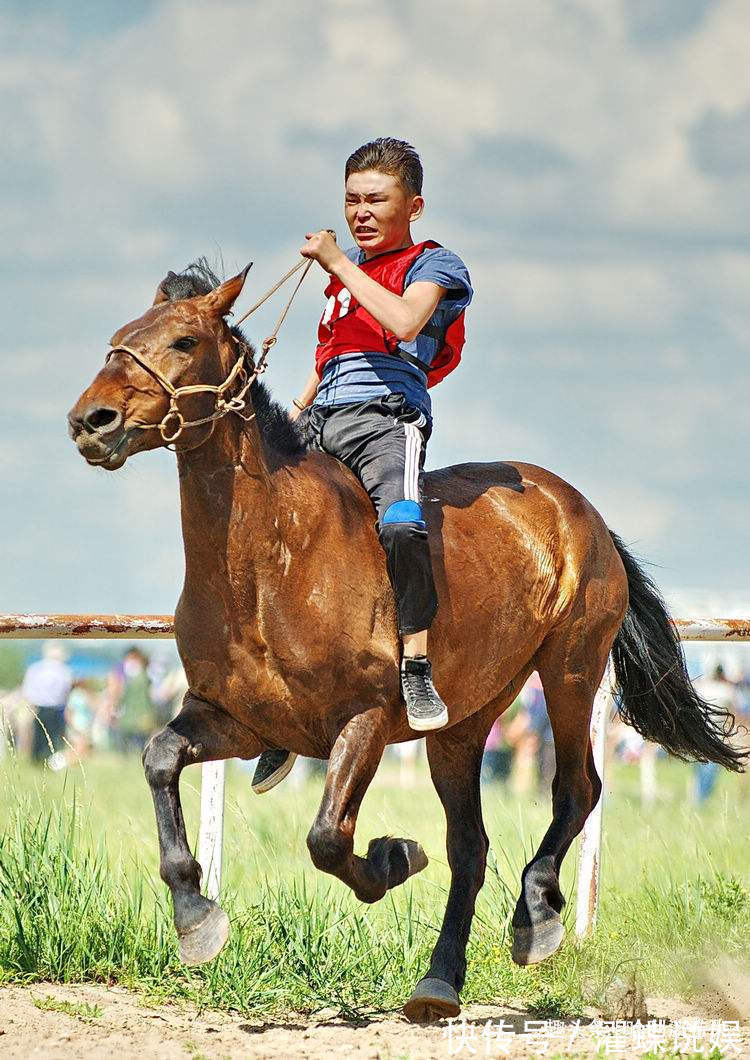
[(731, 692), (59, 718)]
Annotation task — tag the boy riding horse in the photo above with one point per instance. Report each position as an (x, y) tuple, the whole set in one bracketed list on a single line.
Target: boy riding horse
[(392, 328)]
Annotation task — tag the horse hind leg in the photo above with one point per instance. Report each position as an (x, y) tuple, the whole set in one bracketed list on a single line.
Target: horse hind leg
[(351, 766), (571, 665), (200, 732)]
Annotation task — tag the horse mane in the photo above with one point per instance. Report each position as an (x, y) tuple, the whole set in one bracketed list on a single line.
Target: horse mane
[(277, 430)]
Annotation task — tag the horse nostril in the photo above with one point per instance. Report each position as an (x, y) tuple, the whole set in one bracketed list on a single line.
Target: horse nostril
[(102, 419)]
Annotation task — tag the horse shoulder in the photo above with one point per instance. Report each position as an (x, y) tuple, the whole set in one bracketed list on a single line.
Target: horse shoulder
[(325, 566)]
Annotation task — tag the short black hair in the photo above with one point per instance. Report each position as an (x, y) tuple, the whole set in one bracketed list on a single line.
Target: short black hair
[(386, 155)]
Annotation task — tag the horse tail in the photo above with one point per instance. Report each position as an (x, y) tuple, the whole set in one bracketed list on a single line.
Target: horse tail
[(656, 695)]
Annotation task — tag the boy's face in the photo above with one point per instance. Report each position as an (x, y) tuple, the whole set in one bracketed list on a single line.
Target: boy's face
[(379, 211)]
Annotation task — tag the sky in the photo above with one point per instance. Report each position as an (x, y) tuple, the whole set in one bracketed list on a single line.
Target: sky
[(588, 159)]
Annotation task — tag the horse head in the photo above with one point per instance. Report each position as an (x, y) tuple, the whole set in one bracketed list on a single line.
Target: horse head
[(170, 374)]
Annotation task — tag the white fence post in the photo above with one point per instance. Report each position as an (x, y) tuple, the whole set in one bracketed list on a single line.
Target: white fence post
[(211, 829), (590, 848)]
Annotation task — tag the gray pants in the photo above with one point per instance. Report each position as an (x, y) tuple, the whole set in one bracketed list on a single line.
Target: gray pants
[(49, 728), (383, 442)]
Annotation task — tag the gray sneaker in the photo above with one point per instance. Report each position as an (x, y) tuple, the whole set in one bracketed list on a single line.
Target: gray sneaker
[(424, 707), (271, 769)]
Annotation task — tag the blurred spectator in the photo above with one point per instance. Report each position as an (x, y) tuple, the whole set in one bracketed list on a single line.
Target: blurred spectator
[(524, 744), (715, 688), (742, 687), (539, 725), (628, 744), (497, 753), (18, 721), (129, 695), (168, 688), (520, 745), (46, 686), (79, 719)]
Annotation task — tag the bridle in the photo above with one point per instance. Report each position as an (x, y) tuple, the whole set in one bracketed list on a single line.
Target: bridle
[(173, 423)]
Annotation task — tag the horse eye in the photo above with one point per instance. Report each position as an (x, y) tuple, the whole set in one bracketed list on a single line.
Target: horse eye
[(184, 344)]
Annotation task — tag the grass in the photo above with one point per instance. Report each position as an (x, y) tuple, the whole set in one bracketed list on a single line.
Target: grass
[(78, 1010), (80, 897)]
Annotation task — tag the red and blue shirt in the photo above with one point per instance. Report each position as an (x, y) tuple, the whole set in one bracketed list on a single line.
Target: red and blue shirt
[(357, 375)]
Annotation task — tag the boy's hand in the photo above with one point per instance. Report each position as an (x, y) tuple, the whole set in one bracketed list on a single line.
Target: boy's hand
[(321, 246)]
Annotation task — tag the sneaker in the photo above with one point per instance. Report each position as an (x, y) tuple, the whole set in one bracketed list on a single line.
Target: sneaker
[(271, 769), (424, 707), (57, 761)]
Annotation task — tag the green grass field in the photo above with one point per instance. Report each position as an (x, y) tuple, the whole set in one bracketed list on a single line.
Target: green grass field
[(81, 900)]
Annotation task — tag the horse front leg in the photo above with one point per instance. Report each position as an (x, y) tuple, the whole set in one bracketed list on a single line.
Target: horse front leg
[(455, 758), (351, 766), (201, 732)]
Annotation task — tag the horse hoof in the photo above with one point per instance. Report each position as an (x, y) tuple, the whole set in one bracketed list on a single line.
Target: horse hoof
[(396, 859), (534, 944), (415, 855), (433, 999), (207, 939)]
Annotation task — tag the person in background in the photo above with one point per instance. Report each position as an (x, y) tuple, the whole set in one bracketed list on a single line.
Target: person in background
[(715, 688), (742, 691), (168, 688), (79, 719), (498, 755), (103, 724), (523, 744), (130, 693), (46, 686), (539, 725)]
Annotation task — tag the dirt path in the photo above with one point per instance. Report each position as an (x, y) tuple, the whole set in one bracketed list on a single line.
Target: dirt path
[(91, 1022)]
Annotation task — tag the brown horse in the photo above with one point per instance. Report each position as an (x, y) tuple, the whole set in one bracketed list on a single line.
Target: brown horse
[(286, 626)]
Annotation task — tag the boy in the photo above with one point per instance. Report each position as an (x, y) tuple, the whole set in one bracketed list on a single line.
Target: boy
[(392, 326)]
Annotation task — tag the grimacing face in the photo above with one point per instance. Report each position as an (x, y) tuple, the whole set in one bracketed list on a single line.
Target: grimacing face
[(379, 211), (188, 342)]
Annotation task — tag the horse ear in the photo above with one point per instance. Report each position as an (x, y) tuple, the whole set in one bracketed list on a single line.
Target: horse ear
[(221, 300), (161, 295)]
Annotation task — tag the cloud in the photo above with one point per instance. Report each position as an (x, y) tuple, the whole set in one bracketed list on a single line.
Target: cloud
[(527, 293), (721, 142), (653, 23), (585, 157)]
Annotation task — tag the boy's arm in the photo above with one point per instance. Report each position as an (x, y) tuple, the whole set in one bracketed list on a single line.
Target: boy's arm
[(308, 393), (404, 315)]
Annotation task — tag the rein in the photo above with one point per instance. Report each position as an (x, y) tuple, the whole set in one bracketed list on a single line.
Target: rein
[(173, 423)]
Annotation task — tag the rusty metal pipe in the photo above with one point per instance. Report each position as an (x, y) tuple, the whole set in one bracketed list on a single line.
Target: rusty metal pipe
[(34, 627), (91, 627)]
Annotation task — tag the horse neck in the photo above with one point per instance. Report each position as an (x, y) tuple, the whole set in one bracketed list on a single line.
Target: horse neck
[(224, 483)]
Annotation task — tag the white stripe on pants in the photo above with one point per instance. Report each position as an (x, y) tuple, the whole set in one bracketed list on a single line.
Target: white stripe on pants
[(411, 461)]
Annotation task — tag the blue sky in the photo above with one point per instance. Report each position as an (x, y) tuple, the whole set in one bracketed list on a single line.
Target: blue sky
[(589, 160)]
